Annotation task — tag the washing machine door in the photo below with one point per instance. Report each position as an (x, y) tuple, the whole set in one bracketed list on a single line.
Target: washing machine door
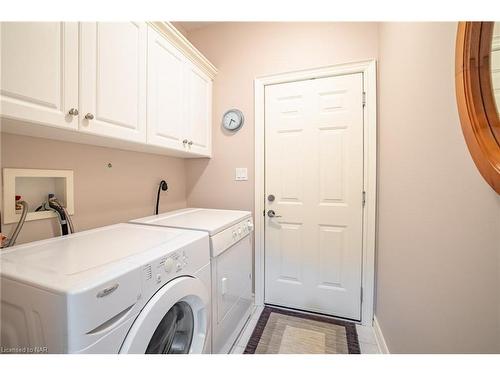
[(174, 321)]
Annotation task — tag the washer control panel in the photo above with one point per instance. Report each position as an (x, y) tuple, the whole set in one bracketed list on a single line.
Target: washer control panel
[(171, 261), (166, 268), (175, 262), (228, 237)]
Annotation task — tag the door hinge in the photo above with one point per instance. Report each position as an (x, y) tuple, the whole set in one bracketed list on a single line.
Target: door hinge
[(264, 213), (364, 99), (364, 198)]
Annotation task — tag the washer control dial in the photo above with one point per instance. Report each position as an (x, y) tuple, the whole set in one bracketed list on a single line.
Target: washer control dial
[(169, 264)]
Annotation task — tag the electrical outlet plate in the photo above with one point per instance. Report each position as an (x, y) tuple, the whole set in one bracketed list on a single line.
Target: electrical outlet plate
[(31, 183), (241, 174)]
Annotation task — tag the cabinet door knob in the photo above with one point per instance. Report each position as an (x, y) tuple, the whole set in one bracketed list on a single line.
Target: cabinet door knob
[(190, 143), (89, 116), (73, 112), (185, 141)]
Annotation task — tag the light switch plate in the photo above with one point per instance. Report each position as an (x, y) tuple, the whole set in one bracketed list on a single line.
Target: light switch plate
[(241, 174)]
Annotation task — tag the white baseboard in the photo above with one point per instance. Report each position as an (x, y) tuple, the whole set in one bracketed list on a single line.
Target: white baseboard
[(382, 345)]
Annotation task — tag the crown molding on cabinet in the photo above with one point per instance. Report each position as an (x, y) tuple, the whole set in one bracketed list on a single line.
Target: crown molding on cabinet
[(185, 46)]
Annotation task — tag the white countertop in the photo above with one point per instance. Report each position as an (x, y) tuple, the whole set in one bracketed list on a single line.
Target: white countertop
[(209, 220), (64, 263)]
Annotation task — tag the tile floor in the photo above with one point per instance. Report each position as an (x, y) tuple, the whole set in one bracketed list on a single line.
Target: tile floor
[(366, 336)]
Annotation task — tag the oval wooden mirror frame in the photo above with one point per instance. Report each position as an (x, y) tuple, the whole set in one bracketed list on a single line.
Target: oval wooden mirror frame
[(475, 99)]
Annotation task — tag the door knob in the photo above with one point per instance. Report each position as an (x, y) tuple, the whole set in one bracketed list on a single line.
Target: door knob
[(185, 141), (272, 214), (73, 112), (89, 116), (271, 198), (190, 143)]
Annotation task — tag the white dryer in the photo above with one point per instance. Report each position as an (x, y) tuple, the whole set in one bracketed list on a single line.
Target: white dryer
[(118, 289), (231, 258)]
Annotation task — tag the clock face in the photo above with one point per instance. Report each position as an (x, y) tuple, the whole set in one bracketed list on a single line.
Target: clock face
[(232, 119)]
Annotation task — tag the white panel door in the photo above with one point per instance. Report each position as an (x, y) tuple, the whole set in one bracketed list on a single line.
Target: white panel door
[(314, 169), (113, 79), (167, 120), (39, 72), (199, 110)]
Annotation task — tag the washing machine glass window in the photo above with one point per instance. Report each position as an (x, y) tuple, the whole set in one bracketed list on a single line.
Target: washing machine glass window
[(174, 334), (175, 320)]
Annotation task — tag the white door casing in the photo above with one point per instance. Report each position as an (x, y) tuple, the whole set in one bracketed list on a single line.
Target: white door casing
[(166, 111), (42, 92), (314, 168), (113, 79), (368, 69)]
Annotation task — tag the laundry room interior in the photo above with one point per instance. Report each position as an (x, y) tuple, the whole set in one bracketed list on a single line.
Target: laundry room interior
[(250, 187)]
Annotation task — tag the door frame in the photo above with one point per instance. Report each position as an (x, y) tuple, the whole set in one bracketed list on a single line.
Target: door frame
[(369, 70)]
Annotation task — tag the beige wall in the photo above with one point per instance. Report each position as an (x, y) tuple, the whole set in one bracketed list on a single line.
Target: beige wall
[(438, 255), (102, 195), (180, 28), (438, 240), (241, 52), (438, 286)]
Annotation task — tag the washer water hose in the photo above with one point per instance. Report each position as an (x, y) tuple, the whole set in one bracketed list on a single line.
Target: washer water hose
[(65, 222), (12, 241), (54, 201), (163, 186), (62, 216)]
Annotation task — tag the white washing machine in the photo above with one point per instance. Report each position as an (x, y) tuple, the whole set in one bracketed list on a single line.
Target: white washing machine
[(118, 289), (231, 263)]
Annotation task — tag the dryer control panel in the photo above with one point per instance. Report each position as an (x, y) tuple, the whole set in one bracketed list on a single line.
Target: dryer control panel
[(228, 237)]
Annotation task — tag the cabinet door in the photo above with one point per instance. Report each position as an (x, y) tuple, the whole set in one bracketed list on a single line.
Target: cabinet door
[(113, 79), (39, 72), (199, 109), (166, 105)]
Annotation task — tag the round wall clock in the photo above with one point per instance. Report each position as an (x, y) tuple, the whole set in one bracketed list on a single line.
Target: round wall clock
[(233, 120)]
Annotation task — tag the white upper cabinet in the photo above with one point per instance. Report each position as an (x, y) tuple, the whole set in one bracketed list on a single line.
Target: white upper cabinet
[(130, 85), (179, 99), (113, 79), (199, 110), (39, 72), (166, 110)]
